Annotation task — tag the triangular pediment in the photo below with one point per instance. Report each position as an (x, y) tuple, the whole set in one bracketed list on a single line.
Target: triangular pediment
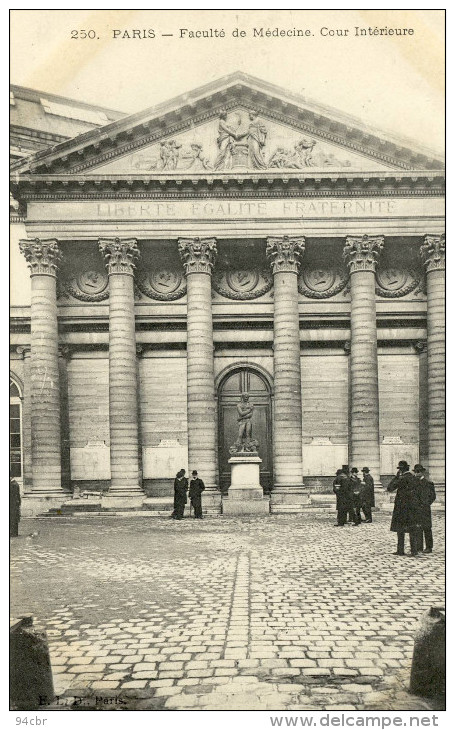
[(237, 140), (236, 124)]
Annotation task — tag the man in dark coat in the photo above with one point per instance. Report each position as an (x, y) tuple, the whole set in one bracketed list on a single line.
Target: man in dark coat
[(426, 495), (367, 494), (14, 507), (406, 513), (180, 498), (355, 485), (197, 486), (342, 489)]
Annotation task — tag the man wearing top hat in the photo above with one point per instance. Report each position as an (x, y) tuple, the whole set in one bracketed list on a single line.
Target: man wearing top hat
[(426, 496), (367, 494), (197, 486), (342, 490), (355, 485), (406, 512)]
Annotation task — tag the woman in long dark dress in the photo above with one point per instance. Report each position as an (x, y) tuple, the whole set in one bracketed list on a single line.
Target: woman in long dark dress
[(180, 492)]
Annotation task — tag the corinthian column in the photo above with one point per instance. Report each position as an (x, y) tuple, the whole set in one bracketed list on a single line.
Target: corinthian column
[(198, 256), (285, 255), (42, 257), (433, 253), (361, 254), (120, 256)]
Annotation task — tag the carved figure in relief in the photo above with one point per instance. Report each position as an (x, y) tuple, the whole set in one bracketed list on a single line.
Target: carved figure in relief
[(226, 136), (295, 159), (92, 282), (256, 138), (169, 154), (196, 160)]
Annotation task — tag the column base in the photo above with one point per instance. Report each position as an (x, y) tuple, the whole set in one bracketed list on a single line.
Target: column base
[(238, 507), (34, 504), (289, 500), (126, 499)]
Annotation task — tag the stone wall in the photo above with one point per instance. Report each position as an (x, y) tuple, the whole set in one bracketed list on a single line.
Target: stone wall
[(88, 407), (398, 409), (325, 412), (163, 418)]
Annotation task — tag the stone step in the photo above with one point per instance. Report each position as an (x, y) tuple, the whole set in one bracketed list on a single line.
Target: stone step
[(117, 513)]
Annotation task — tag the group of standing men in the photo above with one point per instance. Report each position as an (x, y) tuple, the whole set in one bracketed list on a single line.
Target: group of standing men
[(412, 508), (196, 487), (354, 495)]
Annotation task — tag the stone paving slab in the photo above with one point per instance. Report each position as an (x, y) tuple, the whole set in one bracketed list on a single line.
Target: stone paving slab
[(281, 612)]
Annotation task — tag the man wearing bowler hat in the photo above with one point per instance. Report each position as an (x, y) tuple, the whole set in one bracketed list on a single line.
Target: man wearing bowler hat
[(406, 512), (426, 496), (367, 494)]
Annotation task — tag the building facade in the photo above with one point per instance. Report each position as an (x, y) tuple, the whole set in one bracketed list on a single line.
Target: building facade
[(235, 240)]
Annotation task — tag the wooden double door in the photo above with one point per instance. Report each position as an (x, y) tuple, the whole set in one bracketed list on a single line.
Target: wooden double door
[(245, 380)]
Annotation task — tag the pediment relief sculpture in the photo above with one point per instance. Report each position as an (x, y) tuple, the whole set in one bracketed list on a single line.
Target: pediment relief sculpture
[(238, 140), (242, 283)]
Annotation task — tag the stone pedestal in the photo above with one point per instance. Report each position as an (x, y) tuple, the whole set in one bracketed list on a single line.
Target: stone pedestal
[(245, 493), (240, 157)]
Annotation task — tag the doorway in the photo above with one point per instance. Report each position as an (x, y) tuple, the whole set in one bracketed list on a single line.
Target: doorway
[(234, 384)]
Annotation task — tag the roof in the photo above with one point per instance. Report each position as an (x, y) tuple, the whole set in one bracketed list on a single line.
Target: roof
[(39, 119), (136, 130)]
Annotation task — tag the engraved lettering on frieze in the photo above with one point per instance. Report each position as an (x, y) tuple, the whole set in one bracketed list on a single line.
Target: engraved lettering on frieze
[(242, 209), (242, 284), (316, 282), (164, 284)]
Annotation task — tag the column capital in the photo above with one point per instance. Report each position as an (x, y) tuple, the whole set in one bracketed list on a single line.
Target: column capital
[(361, 253), (120, 254), (285, 253), (433, 253), (42, 255), (198, 254)]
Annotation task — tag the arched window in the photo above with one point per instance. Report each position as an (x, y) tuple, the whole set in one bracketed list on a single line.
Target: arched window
[(15, 430)]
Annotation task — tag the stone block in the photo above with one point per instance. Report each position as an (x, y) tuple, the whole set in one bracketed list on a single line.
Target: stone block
[(246, 507)]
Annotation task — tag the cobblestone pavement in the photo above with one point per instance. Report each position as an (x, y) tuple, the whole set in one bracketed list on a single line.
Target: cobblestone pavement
[(279, 612)]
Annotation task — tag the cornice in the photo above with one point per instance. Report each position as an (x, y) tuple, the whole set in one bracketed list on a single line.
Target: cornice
[(227, 185), (28, 132)]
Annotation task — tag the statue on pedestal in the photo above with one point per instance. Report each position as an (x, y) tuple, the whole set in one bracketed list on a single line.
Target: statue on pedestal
[(245, 442)]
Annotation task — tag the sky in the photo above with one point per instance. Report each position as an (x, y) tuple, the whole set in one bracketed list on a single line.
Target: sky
[(391, 83)]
